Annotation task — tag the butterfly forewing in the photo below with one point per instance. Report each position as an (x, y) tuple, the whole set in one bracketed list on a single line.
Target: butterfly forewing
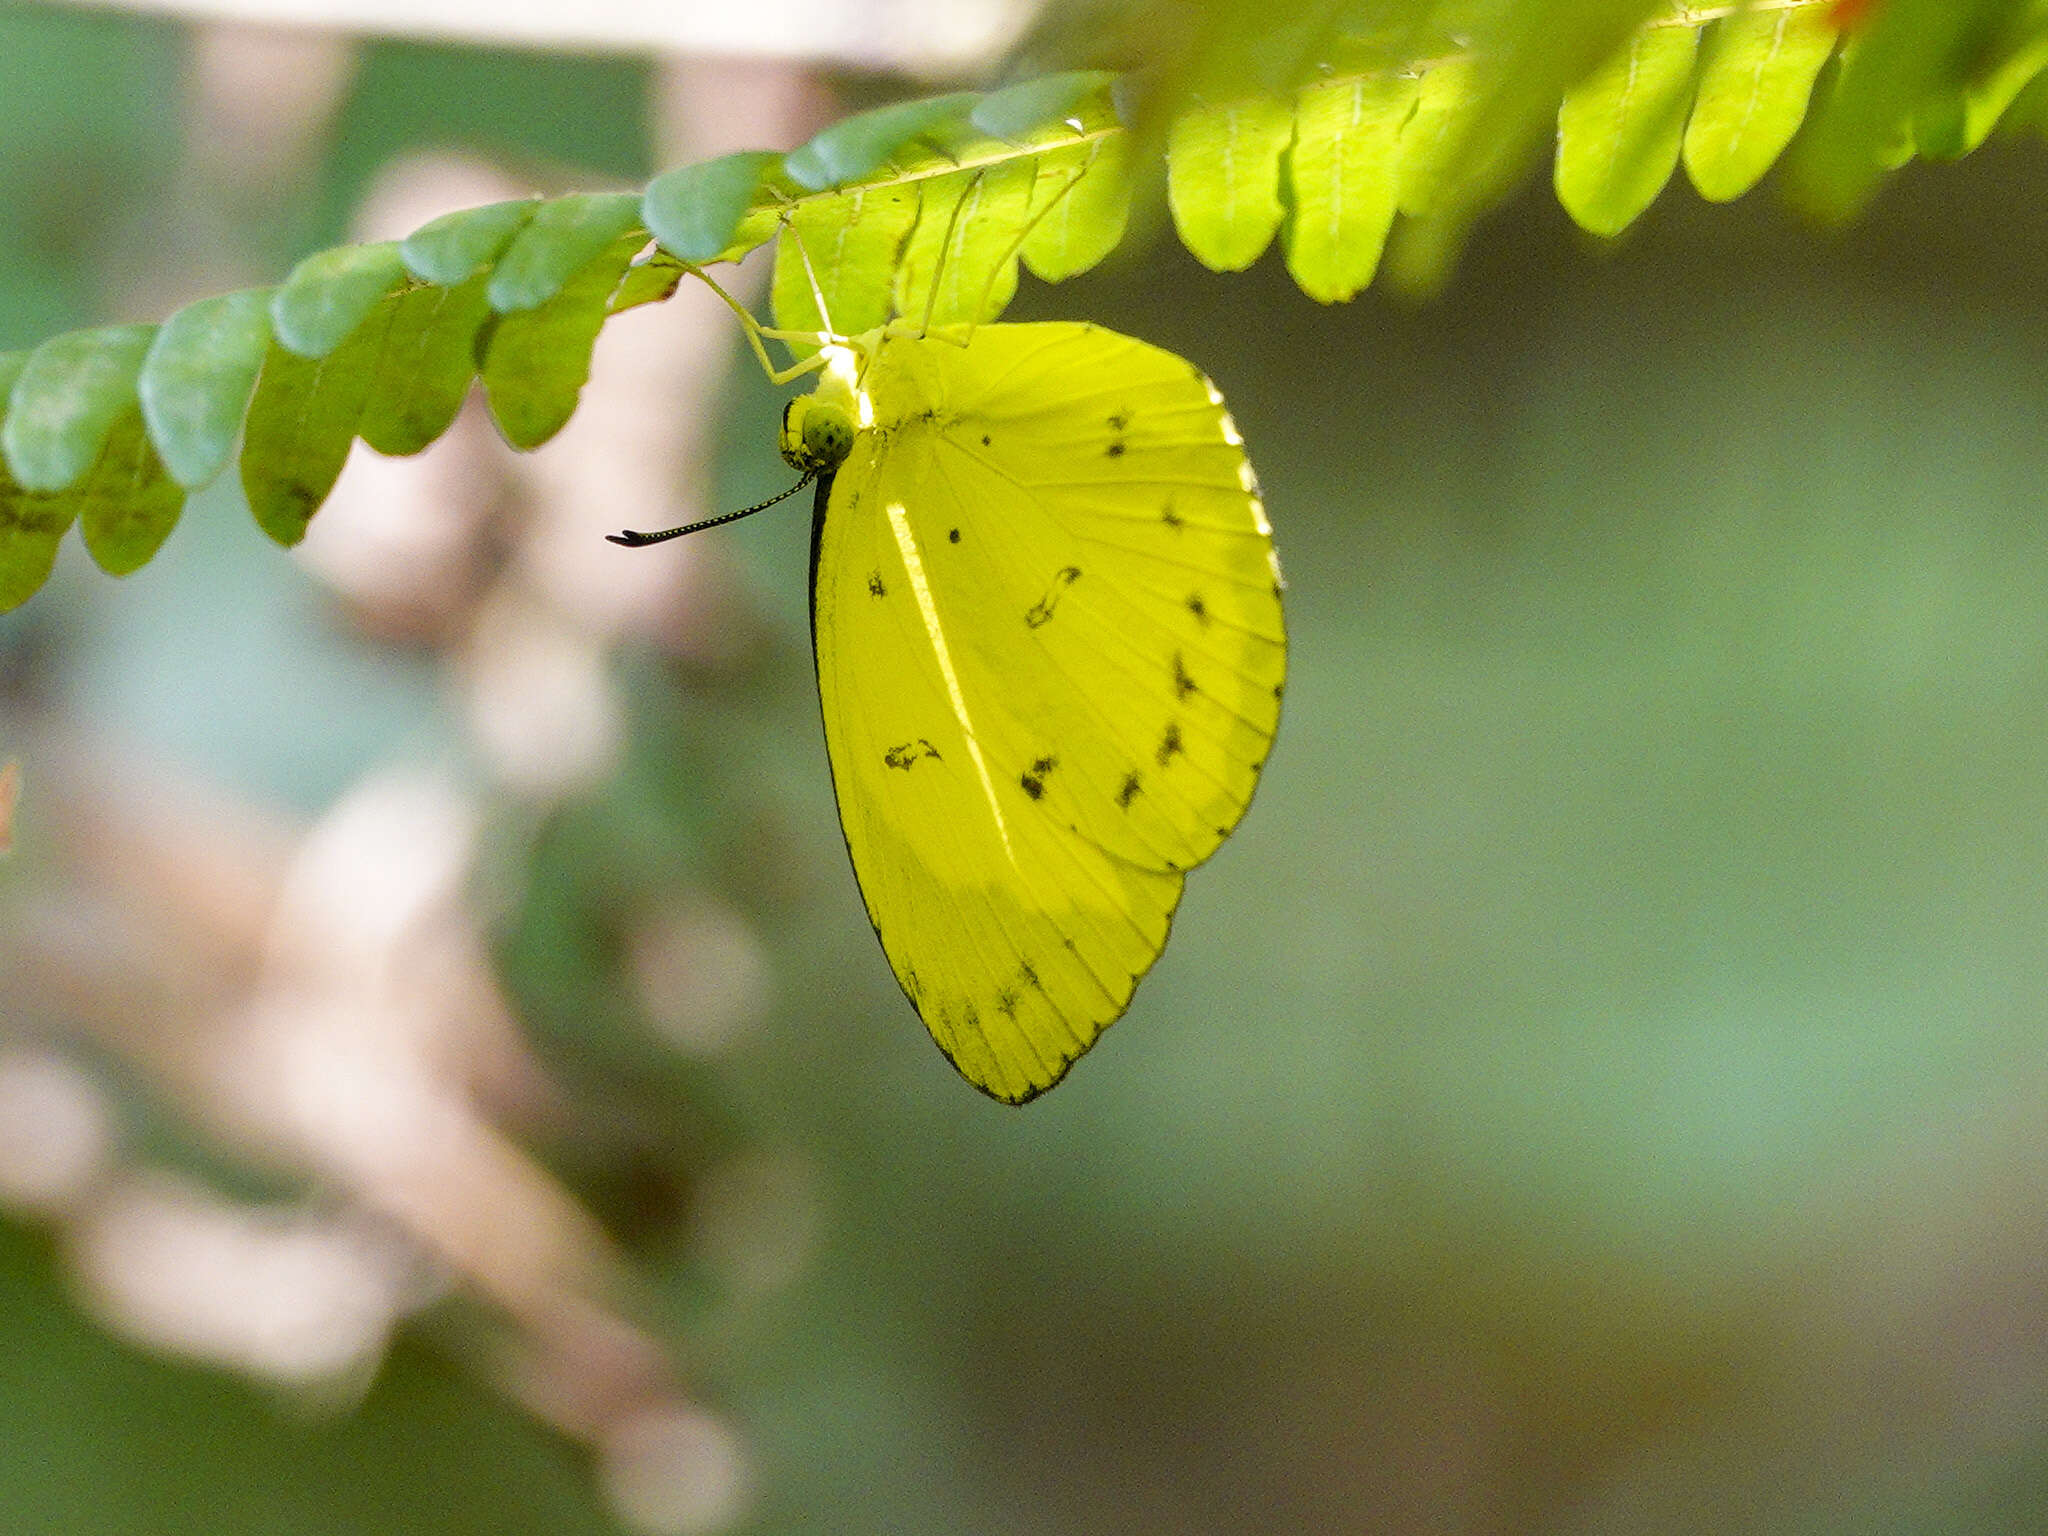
[(1050, 654)]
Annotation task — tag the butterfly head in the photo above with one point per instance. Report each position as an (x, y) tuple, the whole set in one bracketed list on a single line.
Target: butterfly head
[(816, 435), (818, 428)]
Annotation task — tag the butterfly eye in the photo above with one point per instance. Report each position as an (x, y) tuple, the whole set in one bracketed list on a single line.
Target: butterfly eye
[(828, 436), (816, 436)]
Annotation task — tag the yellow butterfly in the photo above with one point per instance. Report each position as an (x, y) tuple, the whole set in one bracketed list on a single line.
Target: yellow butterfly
[(1047, 621)]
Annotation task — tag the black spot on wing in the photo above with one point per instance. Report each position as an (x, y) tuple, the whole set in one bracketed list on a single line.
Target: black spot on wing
[(1169, 516), (952, 535), (1028, 974), (1033, 778), (1129, 790), (910, 754), (1039, 614), (1006, 1002), (1198, 608), (1119, 421), (1170, 745), (984, 440), (875, 586), (1183, 685), (1116, 448)]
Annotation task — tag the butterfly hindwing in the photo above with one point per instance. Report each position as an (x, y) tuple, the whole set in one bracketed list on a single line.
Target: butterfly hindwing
[(1050, 651)]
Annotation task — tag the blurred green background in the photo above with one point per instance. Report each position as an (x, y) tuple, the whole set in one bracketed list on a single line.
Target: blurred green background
[(1597, 1090)]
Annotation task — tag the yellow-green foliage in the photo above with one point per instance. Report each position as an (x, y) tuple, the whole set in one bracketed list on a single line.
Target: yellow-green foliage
[(1346, 135)]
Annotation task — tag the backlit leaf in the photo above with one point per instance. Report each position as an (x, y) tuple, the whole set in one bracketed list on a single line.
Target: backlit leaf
[(1223, 179), (32, 523), (301, 423), (961, 262), (1618, 133), (423, 367), (1754, 87), (1343, 178), (849, 245), (127, 503), (1079, 206)]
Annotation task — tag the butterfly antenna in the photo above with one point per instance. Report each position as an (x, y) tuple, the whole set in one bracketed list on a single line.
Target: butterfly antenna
[(634, 540)]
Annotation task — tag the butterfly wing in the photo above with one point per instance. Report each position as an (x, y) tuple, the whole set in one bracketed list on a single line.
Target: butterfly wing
[(1050, 655)]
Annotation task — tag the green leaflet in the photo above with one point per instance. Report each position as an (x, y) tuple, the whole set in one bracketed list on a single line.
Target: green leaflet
[(196, 381), (64, 402), (1908, 53), (1618, 133), (127, 503), (301, 423), (1429, 138), (455, 247), (903, 134), (1959, 120), (1940, 127), (561, 240), (1754, 86), (536, 361), (424, 365), (961, 262), (716, 210), (1080, 202), (852, 242), (1020, 113), (1986, 101), (32, 523), (1223, 179), (330, 292), (1343, 178), (647, 281), (1080, 176)]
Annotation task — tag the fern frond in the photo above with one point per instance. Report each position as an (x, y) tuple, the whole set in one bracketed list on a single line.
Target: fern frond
[(926, 208)]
